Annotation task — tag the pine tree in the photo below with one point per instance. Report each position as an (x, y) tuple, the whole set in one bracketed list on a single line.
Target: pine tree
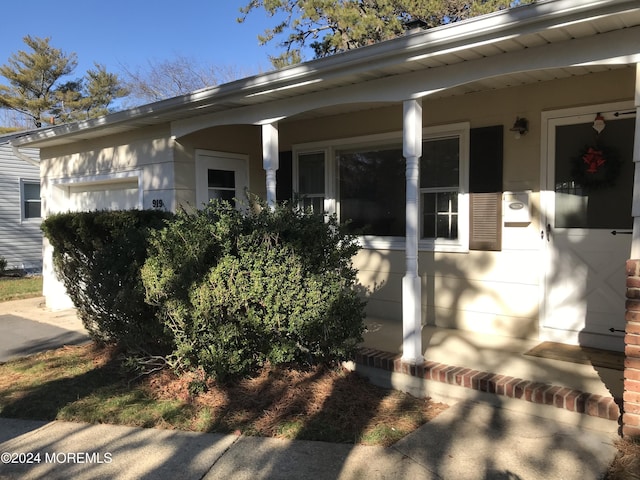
[(32, 76), (333, 26), (37, 90)]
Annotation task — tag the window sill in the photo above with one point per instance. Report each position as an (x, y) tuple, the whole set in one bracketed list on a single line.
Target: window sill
[(398, 243)]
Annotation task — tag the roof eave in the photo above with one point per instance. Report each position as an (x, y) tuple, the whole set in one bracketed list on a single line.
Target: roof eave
[(511, 22)]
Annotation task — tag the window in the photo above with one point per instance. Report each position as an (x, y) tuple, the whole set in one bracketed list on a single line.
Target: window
[(372, 190), (30, 192), (439, 187), (311, 177), (364, 179)]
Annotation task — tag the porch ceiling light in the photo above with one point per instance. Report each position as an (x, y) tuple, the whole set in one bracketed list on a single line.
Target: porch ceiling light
[(520, 127)]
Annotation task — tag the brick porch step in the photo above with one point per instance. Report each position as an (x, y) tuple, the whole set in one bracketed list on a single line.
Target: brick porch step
[(500, 385)]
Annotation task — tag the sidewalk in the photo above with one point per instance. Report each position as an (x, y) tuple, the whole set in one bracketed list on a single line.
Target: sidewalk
[(469, 441)]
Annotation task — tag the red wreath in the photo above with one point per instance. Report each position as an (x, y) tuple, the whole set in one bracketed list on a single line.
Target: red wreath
[(594, 159), (596, 166)]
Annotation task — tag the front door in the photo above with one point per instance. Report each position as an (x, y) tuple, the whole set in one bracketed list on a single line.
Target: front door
[(586, 227)]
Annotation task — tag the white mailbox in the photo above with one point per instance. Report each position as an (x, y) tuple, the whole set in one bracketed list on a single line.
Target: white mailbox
[(516, 208)]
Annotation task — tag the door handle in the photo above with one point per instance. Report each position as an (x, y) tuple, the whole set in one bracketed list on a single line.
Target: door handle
[(548, 232)]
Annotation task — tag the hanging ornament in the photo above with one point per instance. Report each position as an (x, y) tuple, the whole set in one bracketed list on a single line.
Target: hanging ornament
[(598, 123)]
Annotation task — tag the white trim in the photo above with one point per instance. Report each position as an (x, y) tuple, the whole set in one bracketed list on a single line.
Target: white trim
[(66, 183), (635, 208), (23, 216), (98, 179)]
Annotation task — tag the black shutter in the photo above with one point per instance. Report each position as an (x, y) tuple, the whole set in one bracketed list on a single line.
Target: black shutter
[(485, 188), (284, 177)]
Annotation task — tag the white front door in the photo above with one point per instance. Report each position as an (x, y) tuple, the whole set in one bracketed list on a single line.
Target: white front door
[(219, 175), (586, 228)]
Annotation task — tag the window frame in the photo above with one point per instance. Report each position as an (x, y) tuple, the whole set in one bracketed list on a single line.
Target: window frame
[(460, 130), (331, 148), (24, 200), (329, 189)]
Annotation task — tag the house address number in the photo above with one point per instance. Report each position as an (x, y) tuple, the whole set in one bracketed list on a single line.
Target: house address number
[(157, 203)]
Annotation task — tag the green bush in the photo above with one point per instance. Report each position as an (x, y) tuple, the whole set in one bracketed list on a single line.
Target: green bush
[(98, 256), (237, 289), (3, 264)]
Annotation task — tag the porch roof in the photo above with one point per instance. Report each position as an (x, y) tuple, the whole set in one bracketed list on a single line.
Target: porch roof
[(512, 36)]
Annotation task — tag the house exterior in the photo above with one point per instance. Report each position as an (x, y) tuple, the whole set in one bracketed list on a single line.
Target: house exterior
[(488, 166), (20, 213)]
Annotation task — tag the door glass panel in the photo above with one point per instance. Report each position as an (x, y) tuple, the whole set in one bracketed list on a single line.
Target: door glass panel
[(594, 175), (222, 185), (221, 178)]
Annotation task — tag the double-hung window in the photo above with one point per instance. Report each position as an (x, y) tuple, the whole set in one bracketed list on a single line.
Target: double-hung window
[(439, 188), (311, 180), (31, 203), (365, 179)]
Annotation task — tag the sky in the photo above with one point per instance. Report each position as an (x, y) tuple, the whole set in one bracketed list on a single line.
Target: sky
[(132, 32)]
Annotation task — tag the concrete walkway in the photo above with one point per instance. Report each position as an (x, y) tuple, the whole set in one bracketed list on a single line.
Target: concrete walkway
[(28, 327), (468, 441)]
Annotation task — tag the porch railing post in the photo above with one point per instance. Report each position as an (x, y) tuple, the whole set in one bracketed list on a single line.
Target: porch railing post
[(411, 283), (270, 161)]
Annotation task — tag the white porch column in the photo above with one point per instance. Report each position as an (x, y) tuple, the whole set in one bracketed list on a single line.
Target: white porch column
[(411, 288), (270, 161), (635, 241)]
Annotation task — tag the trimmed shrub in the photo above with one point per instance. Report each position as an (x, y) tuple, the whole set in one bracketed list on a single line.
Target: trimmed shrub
[(98, 256), (237, 289)]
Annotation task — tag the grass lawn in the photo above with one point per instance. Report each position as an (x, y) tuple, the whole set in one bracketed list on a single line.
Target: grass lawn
[(13, 288), (87, 384)]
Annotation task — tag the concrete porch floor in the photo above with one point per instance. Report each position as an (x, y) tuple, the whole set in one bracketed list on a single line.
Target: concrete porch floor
[(471, 353)]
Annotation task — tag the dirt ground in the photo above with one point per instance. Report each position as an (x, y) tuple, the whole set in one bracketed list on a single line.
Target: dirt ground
[(626, 466), (318, 403)]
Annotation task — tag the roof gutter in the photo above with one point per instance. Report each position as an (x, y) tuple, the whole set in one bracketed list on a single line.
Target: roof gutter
[(541, 15)]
